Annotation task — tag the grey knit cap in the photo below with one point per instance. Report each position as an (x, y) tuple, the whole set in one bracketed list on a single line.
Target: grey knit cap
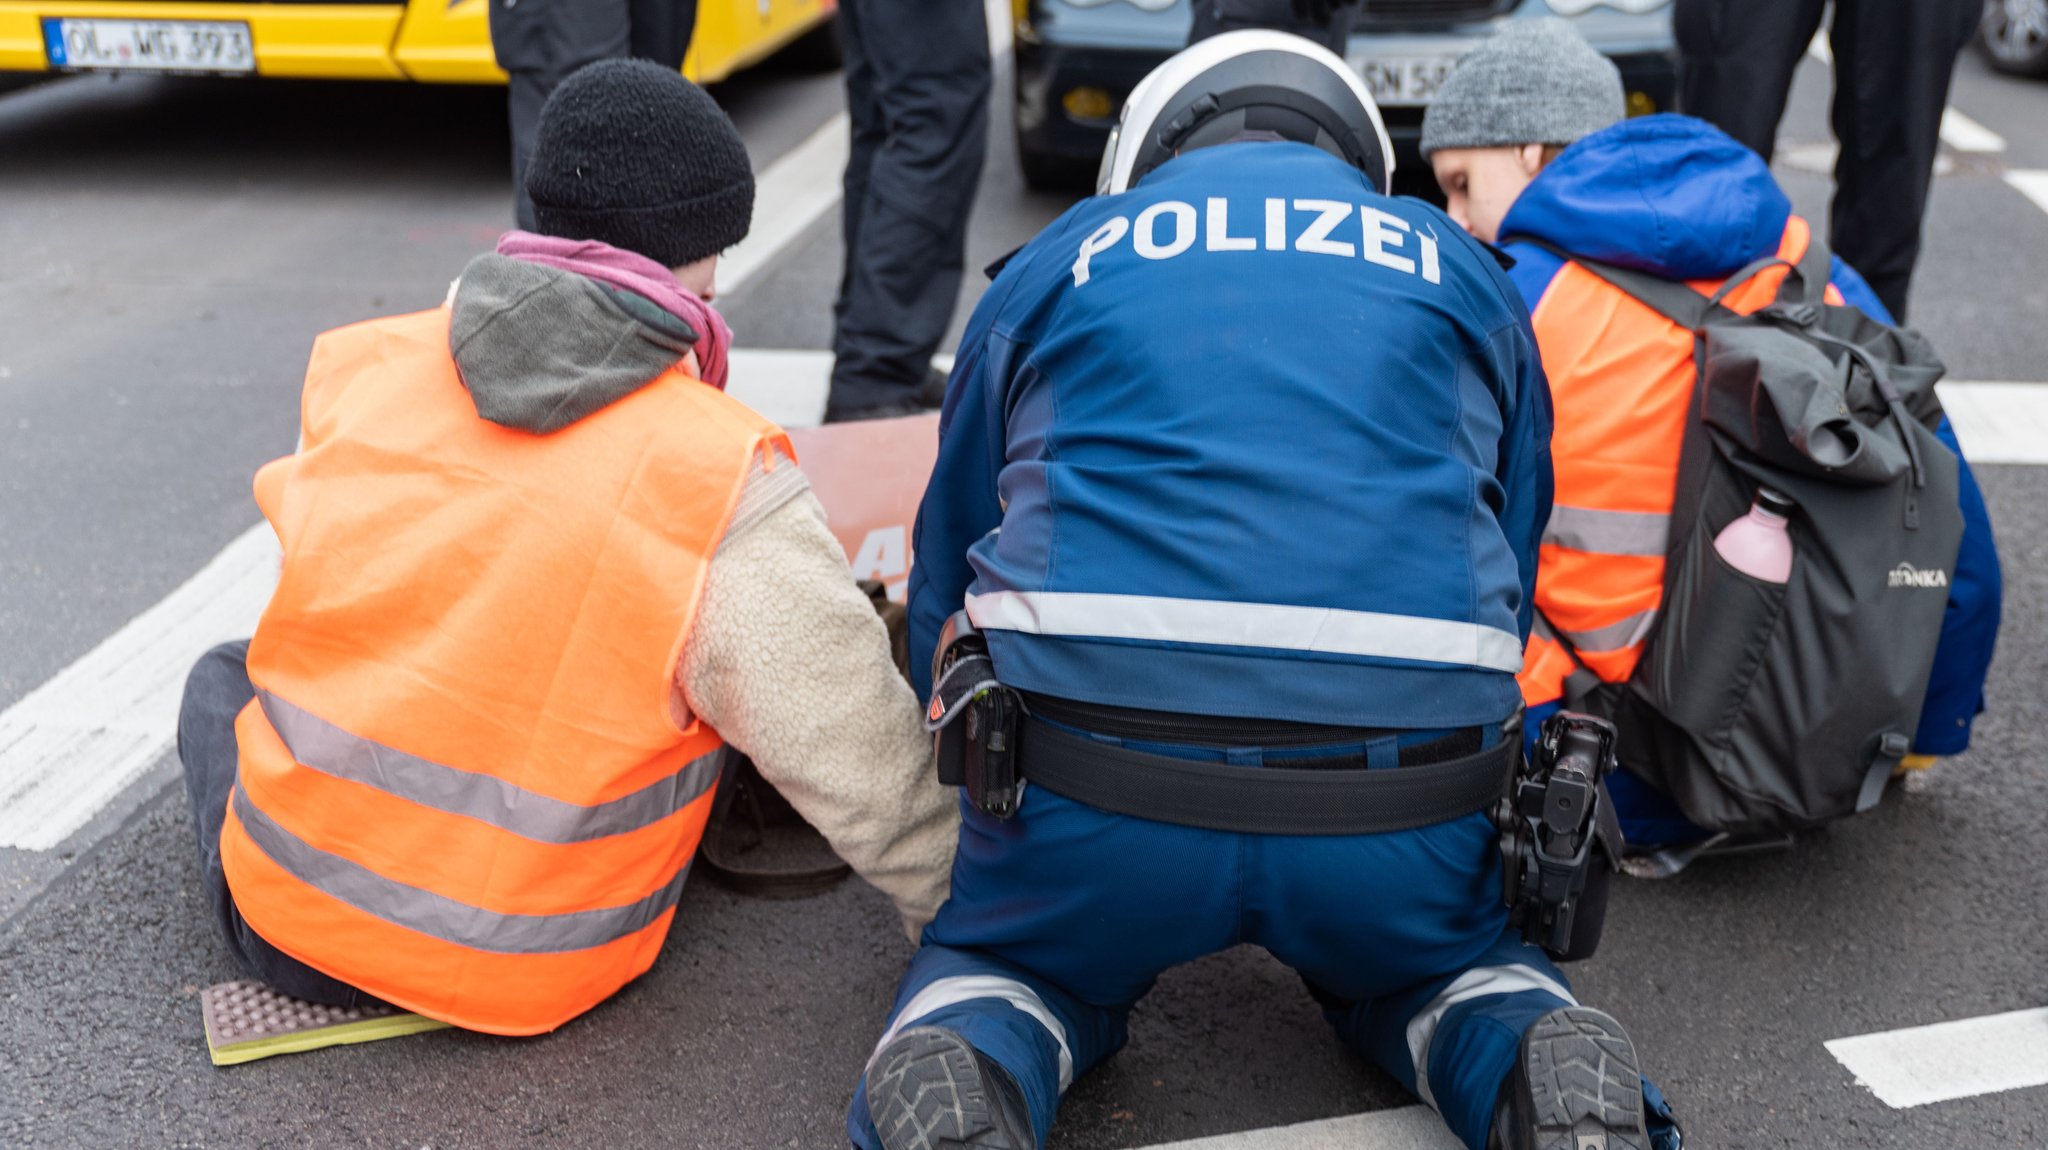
[(1533, 82)]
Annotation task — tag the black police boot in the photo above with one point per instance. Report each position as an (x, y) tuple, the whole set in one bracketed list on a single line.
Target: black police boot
[(1577, 1086), (933, 393), (929, 1090), (893, 409)]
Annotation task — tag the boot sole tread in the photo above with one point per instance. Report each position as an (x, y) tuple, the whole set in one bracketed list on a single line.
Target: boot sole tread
[(925, 1093), (1585, 1083)]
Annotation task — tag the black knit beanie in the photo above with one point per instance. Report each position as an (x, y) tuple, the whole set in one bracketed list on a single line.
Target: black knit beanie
[(631, 154)]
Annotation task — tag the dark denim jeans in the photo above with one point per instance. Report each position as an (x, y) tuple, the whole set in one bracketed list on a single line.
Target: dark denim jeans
[(215, 693)]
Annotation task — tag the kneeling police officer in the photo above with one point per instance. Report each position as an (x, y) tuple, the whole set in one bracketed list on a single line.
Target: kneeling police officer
[(1226, 563)]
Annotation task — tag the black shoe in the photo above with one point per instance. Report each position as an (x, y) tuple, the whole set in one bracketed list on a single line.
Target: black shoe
[(929, 1090), (1577, 1086), (933, 393), (893, 409)]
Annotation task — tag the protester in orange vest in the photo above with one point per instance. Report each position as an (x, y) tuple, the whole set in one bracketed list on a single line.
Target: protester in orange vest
[(1527, 141), (538, 571)]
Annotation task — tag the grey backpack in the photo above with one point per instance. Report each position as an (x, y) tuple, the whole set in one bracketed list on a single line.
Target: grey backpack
[(1760, 707)]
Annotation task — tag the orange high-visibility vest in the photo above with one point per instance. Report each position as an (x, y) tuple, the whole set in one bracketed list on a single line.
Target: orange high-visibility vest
[(462, 786), (1621, 387)]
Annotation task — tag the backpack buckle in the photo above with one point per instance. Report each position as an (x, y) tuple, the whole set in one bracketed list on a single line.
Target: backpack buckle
[(1796, 314)]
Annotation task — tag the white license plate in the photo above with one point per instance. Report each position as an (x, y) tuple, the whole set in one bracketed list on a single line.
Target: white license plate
[(1397, 81), (148, 45)]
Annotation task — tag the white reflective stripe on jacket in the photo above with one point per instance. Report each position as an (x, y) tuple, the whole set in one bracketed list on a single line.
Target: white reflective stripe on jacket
[(1278, 626)]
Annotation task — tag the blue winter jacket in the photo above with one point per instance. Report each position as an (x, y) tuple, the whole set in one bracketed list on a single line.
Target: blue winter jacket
[(1249, 439), (1675, 197)]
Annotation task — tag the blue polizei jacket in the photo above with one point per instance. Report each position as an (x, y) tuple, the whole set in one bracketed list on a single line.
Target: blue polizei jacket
[(1676, 197), (1250, 440)]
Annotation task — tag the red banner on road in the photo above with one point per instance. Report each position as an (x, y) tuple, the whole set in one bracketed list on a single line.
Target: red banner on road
[(871, 476)]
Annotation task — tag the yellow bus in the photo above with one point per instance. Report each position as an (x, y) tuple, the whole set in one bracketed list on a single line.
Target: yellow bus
[(432, 41)]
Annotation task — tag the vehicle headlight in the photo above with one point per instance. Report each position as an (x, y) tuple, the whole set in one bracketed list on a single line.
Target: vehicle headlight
[(1632, 7)]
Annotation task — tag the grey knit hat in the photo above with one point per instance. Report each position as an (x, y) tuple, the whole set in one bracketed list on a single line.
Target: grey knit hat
[(1533, 82)]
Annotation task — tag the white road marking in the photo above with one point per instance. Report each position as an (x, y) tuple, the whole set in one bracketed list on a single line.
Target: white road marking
[(792, 194), (1963, 134), (1998, 422), (1950, 1060), (1818, 47), (1405, 1128), (68, 747), (2031, 184), (788, 387)]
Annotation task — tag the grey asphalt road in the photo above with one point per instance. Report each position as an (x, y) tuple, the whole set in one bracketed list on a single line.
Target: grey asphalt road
[(168, 249)]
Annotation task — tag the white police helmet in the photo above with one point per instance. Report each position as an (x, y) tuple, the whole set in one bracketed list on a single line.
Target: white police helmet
[(1250, 82)]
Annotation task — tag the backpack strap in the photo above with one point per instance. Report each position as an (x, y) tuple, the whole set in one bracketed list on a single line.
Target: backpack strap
[(1816, 267), (1672, 299), (1580, 684)]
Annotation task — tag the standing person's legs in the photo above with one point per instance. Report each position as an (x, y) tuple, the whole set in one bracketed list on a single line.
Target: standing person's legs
[(1736, 62), (217, 691), (1060, 919), (869, 131), (661, 31), (925, 68), (525, 93), (1214, 17), (1893, 61), (539, 45)]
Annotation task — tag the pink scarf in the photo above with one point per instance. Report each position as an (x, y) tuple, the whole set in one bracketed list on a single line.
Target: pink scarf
[(637, 274)]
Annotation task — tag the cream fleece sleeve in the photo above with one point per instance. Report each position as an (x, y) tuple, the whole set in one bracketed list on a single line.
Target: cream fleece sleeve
[(788, 660)]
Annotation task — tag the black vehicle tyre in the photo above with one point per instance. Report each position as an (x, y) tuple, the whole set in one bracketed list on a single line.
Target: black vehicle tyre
[(2014, 36), (818, 50), (1054, 172)]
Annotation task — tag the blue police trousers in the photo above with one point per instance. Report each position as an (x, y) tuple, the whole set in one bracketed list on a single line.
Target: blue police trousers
[(1063, 916)]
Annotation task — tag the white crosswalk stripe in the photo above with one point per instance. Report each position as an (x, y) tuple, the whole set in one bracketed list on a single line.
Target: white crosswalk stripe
[(1406, 1128), (1998, 422), (2032, 184), (1963, 134), (1950, 1060)]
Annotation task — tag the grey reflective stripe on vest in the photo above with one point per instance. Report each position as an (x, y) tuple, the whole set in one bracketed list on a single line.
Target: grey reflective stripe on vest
[(1608, 532), (1215, 622), (316, 743), (1616, 636), (439, 916)]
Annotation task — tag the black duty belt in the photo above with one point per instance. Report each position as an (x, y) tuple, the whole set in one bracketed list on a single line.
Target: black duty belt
[(1262, 799)]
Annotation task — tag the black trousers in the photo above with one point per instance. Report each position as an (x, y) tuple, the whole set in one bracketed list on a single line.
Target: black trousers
[(215, 693), (917, 88), (1217, 16), (540, 42), (1893, 60)]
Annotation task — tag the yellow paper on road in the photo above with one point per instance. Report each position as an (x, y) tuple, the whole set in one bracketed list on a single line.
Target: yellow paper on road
[(246, 1020)]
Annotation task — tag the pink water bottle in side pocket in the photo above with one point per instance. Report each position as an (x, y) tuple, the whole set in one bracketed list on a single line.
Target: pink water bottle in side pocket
[(1759, 544)]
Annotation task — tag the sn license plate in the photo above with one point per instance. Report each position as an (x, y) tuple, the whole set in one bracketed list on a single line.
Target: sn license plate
[(1397, 81), (148, 45)]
